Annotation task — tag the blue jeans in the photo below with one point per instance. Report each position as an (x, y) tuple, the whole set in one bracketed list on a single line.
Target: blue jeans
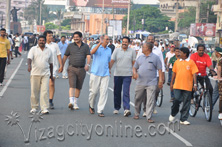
[(169, 75), (181, 96), (119, 82)]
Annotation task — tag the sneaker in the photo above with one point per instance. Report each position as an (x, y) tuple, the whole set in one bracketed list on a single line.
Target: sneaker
[(33, 110), (171, 118), (220, 116), (1, 84), (71, 106), (76, 107), (45, 111), (57, 77), (155, 111), (64, 77), (144, 114), (51, 105), (184, 122), (116, 111), (127, 113)]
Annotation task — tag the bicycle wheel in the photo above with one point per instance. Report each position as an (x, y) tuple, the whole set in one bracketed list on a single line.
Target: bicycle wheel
[(193, 108), (207, 106), (159, 99)]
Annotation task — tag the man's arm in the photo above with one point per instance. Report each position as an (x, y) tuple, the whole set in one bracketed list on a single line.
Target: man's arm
[(172, 81), (135, 74), (160, 84), (29, 65), (51, 71), (93, 51), (111, 64), (195, 82), (88, 59), (219, 72), (60, 63)]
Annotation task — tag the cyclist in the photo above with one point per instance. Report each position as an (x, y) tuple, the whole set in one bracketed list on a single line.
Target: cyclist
[(203, 61)]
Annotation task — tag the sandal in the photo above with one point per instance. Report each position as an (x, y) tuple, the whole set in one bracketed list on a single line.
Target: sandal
[(91, 110), (150, 121), (101, 115), (136, 117)]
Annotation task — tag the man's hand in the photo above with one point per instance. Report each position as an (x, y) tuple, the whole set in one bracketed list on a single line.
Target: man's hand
[(60, 69), (86, 67), (171, 86), (160, 85), (195, 88), (51, 77), (8, 61), (135, 76), (29, 68)]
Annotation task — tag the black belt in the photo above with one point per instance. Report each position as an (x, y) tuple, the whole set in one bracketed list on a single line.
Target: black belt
[(77, 66)]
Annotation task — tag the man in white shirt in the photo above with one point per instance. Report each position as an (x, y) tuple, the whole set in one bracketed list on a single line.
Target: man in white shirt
[(17, 45), (169, 55), (57, 60), (40, 64)]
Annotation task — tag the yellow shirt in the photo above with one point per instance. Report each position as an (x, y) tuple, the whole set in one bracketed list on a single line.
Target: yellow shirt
[(184, 70), (4, 46)]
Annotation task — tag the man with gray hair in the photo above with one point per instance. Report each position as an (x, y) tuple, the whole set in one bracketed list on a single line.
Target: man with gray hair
[(145, 72)]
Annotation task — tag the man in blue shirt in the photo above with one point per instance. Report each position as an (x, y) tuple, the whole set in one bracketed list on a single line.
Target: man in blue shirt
[(100, 72), (63, 46)]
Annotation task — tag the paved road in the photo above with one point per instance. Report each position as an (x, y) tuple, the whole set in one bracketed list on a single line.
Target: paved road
[(63, 127)]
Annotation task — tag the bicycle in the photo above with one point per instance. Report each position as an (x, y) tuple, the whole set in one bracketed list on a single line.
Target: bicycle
[(159, 99), (202, 93)]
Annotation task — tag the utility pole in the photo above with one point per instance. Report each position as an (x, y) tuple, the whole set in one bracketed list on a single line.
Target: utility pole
[(102, 19), (8, 14), (177, 15), (208, 11), (197, 12), (127, 29)]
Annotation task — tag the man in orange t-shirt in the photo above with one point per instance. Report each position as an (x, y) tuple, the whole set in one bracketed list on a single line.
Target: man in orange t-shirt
[(184, 73)]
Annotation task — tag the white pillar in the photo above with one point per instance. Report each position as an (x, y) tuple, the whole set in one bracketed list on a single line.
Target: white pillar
[(8, 14)]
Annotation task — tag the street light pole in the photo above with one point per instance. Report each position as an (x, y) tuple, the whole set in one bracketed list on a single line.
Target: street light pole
[(8, 7), (102, 19), (127, 29)]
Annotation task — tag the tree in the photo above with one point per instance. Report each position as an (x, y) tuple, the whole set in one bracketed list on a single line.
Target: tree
[(189, 15), (66, 22), (154, 20), (32, 12), (50, 26)]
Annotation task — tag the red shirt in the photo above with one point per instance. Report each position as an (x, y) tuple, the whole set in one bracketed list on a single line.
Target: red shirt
[(201, 62)]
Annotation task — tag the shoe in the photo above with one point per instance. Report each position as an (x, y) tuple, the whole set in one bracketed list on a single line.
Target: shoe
[(150, 121), (91, 110), (33, 110), (184, 122), (172, 99), (57, 77), (51, 106), (64, 77), (171, 118), (1, 84), (144, 114), (71, 106), (45, 111), (155, 111), (127, 113), (76, 107), (220, 116), (116, 111), (136, 117), (101, 115)]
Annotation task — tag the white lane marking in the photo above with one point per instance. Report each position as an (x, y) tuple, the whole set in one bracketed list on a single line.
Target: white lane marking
[(179, 137), (169, 130), (10, 79)]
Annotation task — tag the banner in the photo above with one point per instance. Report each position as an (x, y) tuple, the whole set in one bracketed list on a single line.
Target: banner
[(203, 29), (99, 3)]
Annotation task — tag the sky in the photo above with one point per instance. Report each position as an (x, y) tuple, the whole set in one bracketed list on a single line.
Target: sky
[(145, 1)]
